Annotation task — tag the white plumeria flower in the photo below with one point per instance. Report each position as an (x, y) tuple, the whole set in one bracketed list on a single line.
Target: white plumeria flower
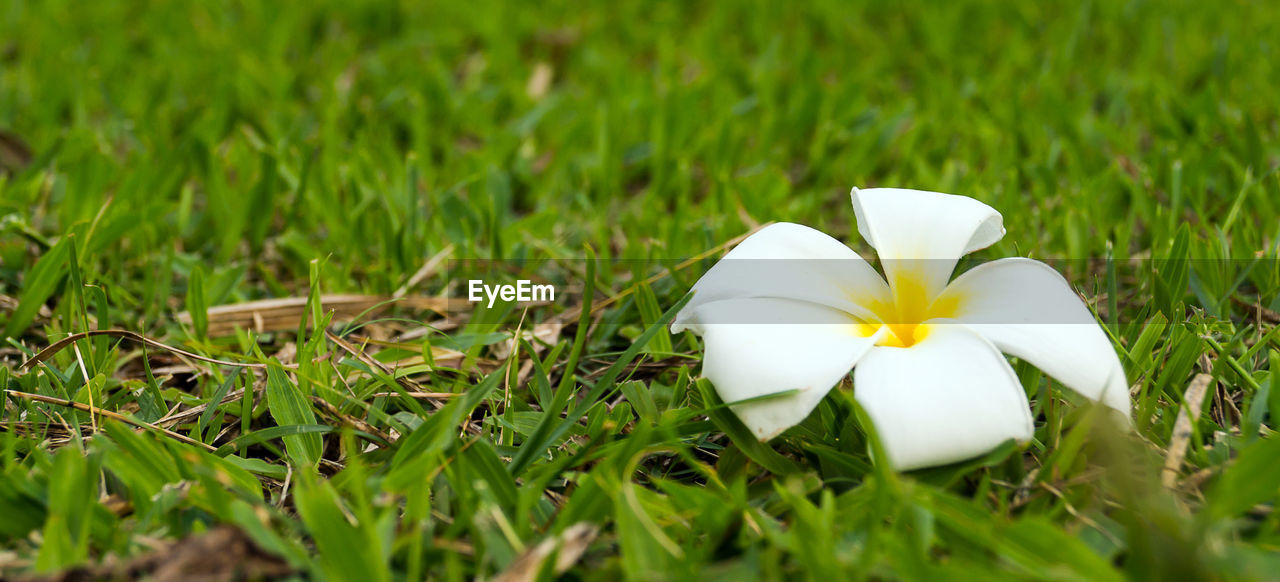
[(925, 351)]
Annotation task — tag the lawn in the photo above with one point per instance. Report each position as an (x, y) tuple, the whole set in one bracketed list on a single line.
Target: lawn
[(358, 163)]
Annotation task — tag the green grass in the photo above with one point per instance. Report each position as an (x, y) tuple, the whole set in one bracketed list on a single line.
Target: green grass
[(187, 155)]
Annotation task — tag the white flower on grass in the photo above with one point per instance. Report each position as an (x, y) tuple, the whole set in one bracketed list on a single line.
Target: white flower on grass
[(792, 310)]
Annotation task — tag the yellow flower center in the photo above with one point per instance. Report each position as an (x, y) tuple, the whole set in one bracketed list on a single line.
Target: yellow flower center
[(905, 315)]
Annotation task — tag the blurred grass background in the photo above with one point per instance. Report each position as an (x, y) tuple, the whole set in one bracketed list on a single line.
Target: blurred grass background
[(165, 157)]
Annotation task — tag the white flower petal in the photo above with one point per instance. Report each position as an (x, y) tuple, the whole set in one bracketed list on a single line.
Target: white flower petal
[(808, 348), (949, 397), (1028, 310), (920, 235), (789, 261)]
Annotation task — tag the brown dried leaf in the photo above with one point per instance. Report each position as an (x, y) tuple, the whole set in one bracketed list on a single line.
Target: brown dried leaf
[(283, 314), (222, 554), (539, 81), (1193, 401), (15, 154), (568, 548), (539, 336)]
